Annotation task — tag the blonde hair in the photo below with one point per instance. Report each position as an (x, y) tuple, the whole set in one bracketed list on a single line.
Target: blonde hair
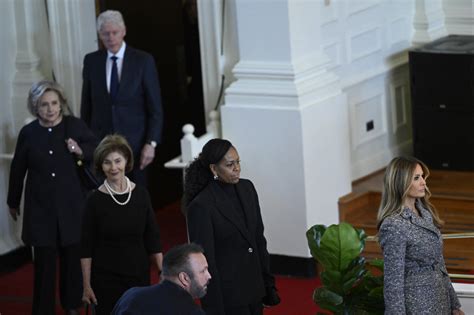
[(396, 183)]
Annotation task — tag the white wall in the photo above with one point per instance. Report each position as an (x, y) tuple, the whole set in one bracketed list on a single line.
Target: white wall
[(459, 16), (367, 41), (8, 229)]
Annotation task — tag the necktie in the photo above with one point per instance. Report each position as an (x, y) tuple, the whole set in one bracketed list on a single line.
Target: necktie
[(114, 79)]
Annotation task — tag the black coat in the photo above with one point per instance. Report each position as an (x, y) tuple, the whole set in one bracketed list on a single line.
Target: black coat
[(166, 298), (54, 197), (136, 112), (236, 251)]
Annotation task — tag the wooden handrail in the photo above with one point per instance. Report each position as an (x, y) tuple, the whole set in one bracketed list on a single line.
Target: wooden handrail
[(450, 236), (446, 237), (461, 276)]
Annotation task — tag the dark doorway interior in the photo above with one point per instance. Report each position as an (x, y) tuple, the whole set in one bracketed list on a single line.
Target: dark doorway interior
[(166, 30)]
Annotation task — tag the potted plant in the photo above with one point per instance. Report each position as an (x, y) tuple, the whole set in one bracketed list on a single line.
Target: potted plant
[(348, 286)]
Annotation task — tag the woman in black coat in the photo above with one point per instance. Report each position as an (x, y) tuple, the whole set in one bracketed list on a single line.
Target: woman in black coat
[(224, 217), (53, 195)]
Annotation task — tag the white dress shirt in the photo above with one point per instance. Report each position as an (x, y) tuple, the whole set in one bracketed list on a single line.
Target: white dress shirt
[(108, 64)]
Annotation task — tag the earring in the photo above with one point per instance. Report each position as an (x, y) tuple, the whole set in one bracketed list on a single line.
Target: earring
[(216, 177)]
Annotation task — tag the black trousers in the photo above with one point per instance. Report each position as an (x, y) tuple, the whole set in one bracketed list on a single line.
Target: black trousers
[(109, 287), (70, 279)]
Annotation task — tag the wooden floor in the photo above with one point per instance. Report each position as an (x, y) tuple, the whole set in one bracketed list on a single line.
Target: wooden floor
[(452, 195)]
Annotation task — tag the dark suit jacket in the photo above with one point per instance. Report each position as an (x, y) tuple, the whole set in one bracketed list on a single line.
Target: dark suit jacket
[(136, 112), (54, 197), (236, 251), (415, 277), (166, 298)]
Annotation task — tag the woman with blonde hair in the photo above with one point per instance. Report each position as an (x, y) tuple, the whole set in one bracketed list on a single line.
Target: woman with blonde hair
[(415, 277)]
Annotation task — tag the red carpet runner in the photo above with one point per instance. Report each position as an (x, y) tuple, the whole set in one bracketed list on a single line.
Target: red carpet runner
[(16, 287)]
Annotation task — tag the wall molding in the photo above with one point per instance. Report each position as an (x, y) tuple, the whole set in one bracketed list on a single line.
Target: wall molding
[(298, 84), (337, 52), (401, 84), (390, 64), (374, 47), (358, 138), (358, 7), (378, 160)]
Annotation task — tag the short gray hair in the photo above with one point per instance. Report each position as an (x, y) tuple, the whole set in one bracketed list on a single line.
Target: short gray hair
[(37, 91), (110, 16)]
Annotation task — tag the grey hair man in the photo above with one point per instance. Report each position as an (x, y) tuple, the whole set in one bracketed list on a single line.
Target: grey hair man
[(185, 277), (121, 93)]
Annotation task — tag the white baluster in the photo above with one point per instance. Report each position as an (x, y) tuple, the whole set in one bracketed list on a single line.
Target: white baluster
[(214, 126), (188, 144)]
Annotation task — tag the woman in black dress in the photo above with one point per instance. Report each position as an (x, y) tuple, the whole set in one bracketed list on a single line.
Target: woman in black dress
[(120, 236), (54, 197), (224, 217)]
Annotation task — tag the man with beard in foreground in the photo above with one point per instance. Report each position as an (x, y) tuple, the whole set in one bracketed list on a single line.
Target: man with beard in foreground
[(185, 277)]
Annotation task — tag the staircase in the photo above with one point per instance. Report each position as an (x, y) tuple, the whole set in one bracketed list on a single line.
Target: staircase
[(452, 195)]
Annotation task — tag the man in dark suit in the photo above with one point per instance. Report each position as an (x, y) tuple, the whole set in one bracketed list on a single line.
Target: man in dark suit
[(121, 93), (185, 277)]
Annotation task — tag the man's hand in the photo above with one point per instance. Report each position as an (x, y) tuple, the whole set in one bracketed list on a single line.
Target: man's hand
[(147, 156)]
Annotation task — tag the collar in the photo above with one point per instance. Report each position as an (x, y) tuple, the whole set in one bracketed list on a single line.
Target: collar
[(425, 221), (119, 53)]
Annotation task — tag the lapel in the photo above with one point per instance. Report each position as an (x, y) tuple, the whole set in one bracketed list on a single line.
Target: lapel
[(127, 67), (424, 221), (101, 76), (227, 210), (247, 205)]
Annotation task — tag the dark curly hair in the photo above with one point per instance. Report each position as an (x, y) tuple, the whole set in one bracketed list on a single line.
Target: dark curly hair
[(198, 174)]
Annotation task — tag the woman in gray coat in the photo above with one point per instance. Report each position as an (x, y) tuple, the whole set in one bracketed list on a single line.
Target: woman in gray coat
[(415, 277)]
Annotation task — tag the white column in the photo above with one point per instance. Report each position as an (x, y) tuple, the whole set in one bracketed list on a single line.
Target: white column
[(27, 61), (27, 64), (288, 119), (73, 34), (215, 18), (428, 22)]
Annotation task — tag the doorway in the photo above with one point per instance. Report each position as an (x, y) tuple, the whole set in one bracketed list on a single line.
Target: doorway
[(167, 31)]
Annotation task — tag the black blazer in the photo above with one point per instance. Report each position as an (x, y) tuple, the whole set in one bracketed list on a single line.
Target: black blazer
[(136, 113), (236, 251), (54, 197), (166, 298)]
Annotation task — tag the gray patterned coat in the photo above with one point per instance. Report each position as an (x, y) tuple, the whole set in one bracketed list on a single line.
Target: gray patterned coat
[(415, 277)]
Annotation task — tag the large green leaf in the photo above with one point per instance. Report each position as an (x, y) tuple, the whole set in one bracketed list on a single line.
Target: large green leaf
[(329, 277), (314, 236), (356, 269), (362, 237), (348, 286), (339, 245), (332, 279), (325, 296)]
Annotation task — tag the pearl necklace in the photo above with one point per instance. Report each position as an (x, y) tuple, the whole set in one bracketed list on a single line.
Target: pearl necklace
[(112, 192)]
